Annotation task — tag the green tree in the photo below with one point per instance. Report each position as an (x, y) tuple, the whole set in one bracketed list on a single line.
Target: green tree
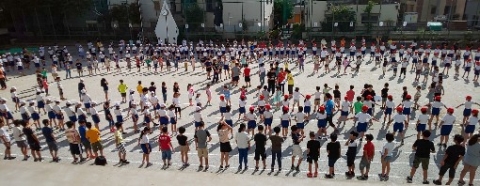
[(194, 16), (368, 11), (343, 16), (282, 11)]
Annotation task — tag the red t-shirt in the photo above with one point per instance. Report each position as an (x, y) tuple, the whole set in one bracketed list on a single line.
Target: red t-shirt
[(369, 149), (281, 77), (350, 95), (246, 72), (164, 141)]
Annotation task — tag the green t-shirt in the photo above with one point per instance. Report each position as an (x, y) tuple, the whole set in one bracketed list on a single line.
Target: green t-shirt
[(148, 61), (44, 73), (358, 107)]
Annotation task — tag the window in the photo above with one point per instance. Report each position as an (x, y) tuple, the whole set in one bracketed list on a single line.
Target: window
[(156, 5), (373, 18), (210, 5), (433, 10)]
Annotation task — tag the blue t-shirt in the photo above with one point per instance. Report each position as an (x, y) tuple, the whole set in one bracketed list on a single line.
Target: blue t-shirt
[(329, 107), (226, 93), (82, 130), (47, 133)]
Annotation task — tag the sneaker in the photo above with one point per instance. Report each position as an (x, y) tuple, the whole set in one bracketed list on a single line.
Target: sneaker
[(425, 182), (246, 168), (315, 174), (437, 182), (148, 165), (444, 145), (125, 162), (226, 166), (240, 167), (293, 167), (328, 176), (297, 168), (83, 159), (11, 158), (221, 167), (309, 175), (256, 168)]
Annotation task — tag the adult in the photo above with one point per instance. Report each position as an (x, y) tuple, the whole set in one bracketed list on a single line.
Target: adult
[(104, 85), (329, 109), (225, 148), (471, 160), (243, 145), (235, 74), (3, 78), (271, 79), (290, 82)]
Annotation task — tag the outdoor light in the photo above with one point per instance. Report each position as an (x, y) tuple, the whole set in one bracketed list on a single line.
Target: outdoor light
[(259, 24), (186, 26), (380, 24), (203, 25), (240, 25), (130, 25), (315, 24), (351, 23), (335, 24), (115, 25), (404, 23), (221, 25)]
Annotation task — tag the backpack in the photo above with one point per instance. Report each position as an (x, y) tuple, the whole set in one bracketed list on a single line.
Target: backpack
[(100, 160)]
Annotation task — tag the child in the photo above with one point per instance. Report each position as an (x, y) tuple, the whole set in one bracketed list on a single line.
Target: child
[(34, 114), (313, 153), (73, 138), (260, 141), (296, 98), (417, 96), (5, 138), (144, 143), (191, 92), (387, 156), (118, 114), (351, 153), (367, 157), (453, 156), (268, 119), (468, 108), (345, 107), (321, 117), (165, 146), (363, 118), (122, 153), (40, 102), (446, 126), (147, 116), (307, 106), (198, 119), (407, 107), (296, 149), (470, 127), (94, 114), (208, 92), (93, 136), (316, 96), (422, 122), (422, 147), (357, 106), (173, 119), (400, 123), (33, 142), (389, 104), (226, 93), (436, 104), (333, 151), (184, 147), (285, 121), (222, 105), (50, 139), (300, 120), (251, 118), (276, 148)]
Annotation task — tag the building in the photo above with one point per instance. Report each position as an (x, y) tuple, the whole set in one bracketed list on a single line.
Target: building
[(472, 14), (385, 12), (255, 15), (435, 10), (166, 29)]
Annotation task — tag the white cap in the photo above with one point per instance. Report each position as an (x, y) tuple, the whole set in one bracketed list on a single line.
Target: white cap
[(3, 99), (68, 103), (162, 105), (198, 108), (131, 90), (83, 91), (116, 104), (93, 102), (31, 102), (13, 87), (81, 79)]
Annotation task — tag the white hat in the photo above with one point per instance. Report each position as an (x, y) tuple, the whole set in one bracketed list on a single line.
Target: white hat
[(198, 108), (31, 102), (93, 102), (13, 87), (116, 104), (131, 90), (83, 91), (68, 103), (3, 99), (162, 105), (81, 79)]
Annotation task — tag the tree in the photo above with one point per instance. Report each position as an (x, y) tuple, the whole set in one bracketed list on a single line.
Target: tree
[(282, 11), (194, 16), (343, 16), (368, 11), (123, 15)]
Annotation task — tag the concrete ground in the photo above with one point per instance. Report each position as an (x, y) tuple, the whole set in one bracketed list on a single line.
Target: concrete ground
[(455, 90)]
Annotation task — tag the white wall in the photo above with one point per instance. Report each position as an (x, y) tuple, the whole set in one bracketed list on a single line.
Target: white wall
[(252, 13)]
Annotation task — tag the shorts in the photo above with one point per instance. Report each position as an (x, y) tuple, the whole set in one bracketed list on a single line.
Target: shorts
[(260, 153), (423, 161), (307, 109), (51, 115), (184, 148), (41, 104), (300, 125), (470, 129), (421, 127), (34, 146), (247, 78), (52, 146), (225, 147), (223, 110), (446, 130), (350, 160), (316, 102), (75, 149), (252, 124), (21, 144), (435, 111), (388, 111), (202, 152), (344, 113), (285, 123), (146, 148), (297, 150), (388, 159), (332, 161), (362, 127), (321, 123), (123, 94), (96, 118), (230, 122), (406, 111), (235, 78), (97, 146), (268, 121), (398, 127), (312, 158), (166, 154), (364, 163), (197, 123), (449, 167), (241, 110), (121, 148), (467, 112)]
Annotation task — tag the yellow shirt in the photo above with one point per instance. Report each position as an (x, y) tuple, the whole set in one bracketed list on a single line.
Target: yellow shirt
[(93, 135), (118, 137), (139, 89), (289, 79), (285, 66), (122, 88)]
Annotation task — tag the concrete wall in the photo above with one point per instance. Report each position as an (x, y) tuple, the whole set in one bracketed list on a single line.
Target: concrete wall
[(473, 8), (254, 12)]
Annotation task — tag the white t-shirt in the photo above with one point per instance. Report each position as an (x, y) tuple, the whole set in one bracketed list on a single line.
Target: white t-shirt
[(468, 104), (4, 133), (197, 117), (388, 146), (17, 134), (390, 104), (399, 118), (363, 117), (423, 118), (228, 116), (242, 140), (300, 117), (267, 114), (472, 120), (285, 117), (163, 113), (242, 103), (145, 139), (448, 119), (437, 104), (407, 104), (307, 103), (296, 95), (251, 116), (345, 106), (321, 116)]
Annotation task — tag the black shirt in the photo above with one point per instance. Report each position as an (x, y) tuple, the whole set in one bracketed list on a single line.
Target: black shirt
[(164, 90), (424, 147), (152, 88), (336, 93), (176, 89), (182, 140), (352, 149), (295, 138), (334, 148), (260, 141), (78, 65), (271, 76), (453, 153), (313, 146), (29, 134), (81, 86), (384, 92)]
